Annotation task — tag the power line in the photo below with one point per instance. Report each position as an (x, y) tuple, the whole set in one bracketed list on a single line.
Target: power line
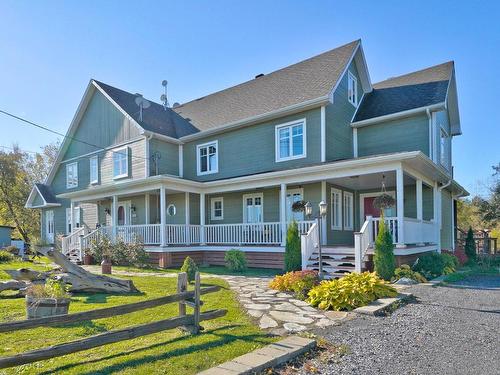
[(100, 148), (20, 149)]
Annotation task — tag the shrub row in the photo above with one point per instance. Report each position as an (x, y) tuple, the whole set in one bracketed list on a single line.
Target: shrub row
[(298, 282)]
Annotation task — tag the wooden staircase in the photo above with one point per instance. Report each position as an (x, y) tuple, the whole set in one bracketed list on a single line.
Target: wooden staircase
[(337, 261)]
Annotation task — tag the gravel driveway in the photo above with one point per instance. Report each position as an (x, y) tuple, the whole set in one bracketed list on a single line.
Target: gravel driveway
[(447, 330)]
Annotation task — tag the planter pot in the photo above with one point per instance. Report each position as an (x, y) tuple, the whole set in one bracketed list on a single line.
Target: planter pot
[(44, 307), (106, 267), (88, 260)]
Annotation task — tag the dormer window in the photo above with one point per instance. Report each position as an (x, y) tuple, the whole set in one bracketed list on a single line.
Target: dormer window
[(352, 89)]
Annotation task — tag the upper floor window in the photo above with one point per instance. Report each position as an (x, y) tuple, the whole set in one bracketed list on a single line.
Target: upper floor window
[(217, 208), (120, 163), (443, 148), (94, 169), (72, 175), (291, 140), (352, 89), (207, 158)]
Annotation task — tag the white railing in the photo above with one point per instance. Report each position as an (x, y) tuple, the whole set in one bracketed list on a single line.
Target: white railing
[(308, 243), (304, 226), (362, 241), (148, 234), (96, 235), (419, 231), (71, 242), (391, 224), (250, 233)]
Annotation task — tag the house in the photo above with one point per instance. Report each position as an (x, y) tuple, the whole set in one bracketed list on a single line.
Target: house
[(222, 171), (5, 235)]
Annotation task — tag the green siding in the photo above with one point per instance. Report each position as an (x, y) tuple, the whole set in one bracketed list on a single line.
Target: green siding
[(446, 220), (251, 149), (410, 201), (408, 134), (339, 144), (169, 157), (38, 201)]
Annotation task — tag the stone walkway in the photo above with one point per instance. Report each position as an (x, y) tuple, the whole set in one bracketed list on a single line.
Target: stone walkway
[(280, 313)]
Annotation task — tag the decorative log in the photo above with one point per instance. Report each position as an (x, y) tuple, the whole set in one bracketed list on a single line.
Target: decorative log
[(12, 285), (26, 274), (105, 338), (101, 313)]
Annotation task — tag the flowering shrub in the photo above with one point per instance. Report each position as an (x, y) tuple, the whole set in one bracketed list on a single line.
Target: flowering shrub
[(299, 282), (349, 292), (459, 253), (407, 272)]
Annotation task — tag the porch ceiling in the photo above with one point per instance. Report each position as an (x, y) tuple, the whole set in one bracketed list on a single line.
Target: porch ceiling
[(370, 181)]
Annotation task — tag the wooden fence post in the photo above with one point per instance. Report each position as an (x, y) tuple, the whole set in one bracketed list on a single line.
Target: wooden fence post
[(182, 282), (197, 303)]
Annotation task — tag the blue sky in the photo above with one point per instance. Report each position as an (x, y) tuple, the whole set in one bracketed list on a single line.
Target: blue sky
[(50, 50)]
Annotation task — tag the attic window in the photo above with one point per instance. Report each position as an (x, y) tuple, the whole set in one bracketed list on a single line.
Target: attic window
[(352, 89)]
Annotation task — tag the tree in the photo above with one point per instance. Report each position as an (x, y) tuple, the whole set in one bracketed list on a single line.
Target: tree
[(490, 208), (470, 246), (18, 172), (293, 257), (383, 258)]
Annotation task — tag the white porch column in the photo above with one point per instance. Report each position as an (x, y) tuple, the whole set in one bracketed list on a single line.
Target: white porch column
[(114, 216), (324, 235), (420, 209), (163, 216), (400, 206), (72, 216), (202, 218), (283, 213), (187, 219), (437, 214), (146, 208)]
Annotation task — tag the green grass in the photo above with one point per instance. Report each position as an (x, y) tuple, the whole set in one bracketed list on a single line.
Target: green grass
[(471, 270), (167, 352)]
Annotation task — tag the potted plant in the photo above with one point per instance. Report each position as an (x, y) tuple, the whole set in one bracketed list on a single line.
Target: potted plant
[(88, 259), (49, 299)]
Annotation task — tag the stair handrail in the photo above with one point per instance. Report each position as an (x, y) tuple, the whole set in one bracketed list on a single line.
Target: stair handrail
[(309, 242), (362, 240), (71, 239)]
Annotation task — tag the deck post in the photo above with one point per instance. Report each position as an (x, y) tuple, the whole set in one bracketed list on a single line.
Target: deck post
[(400, 206), (163, 216), (437, 214), (420, 209), (283, 213), (146, 208), (202, 219), (72, 216), (114, 216), (324, 234), (187, 217)]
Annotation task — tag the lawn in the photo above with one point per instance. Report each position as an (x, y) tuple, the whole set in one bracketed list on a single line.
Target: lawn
[(168, 352)]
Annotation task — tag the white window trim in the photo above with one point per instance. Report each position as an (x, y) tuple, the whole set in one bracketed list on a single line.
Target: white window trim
[(198, 165), (96, 180), (212, 211), (277, 140), (349, 210), (68, 166), (339, 225), (355, 80), (126, 174), (253, 195)]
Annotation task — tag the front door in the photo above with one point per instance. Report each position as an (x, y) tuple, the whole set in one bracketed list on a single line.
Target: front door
[(253, 208), (123, 213), (293, 196), (369, 209), (49, 226)]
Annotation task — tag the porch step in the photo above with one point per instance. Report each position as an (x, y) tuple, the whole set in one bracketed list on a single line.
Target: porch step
[(337, 261)]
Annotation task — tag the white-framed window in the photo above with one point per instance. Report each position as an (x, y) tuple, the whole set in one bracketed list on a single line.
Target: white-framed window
[(253, 208), (291, 140), (207, 158), (352, 89), (348, 211), (443, 148), (120, 162), (336, 203), (217, 210), (72, 175), (94, 169)]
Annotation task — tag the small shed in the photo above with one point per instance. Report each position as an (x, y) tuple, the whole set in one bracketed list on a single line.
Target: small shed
[(5, 235)]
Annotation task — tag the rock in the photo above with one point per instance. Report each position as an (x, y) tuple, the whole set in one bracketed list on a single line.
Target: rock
[(336, 315), (257, 306), (267, 322), (294, 327), (286, 306), (405, 281), (298, 302), (255, 313), (290, 317), (325, 322), (283, 295)]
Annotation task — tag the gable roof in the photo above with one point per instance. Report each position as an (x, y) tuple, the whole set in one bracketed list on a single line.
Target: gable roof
[(305, 81), (419, 89), (155, 118), (44, 191)]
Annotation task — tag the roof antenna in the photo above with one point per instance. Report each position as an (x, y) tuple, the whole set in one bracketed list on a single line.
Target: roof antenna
[(164, 97), (142, 103)]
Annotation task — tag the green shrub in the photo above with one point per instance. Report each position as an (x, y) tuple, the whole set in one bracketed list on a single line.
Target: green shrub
[(120, 253), (52, 289), (6, 257), (293, 257), (299, 282), (189, 266), (450, 263), (470, 246), (349, 292), (430, 265), (407, 272), (235, 260), (12, 249), (383, 258)]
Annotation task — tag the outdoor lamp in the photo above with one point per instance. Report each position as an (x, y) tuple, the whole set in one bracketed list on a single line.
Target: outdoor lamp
[(308, 208), (322, 208)]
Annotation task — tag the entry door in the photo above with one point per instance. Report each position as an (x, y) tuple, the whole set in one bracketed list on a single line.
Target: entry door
[(76, 217), (49, 226), (253, 208), (293, 196), (369, 209), (123, 213)]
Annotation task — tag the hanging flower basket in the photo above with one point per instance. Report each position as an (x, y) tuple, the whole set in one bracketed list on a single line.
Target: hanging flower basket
[(384, 201), (299, 206)]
